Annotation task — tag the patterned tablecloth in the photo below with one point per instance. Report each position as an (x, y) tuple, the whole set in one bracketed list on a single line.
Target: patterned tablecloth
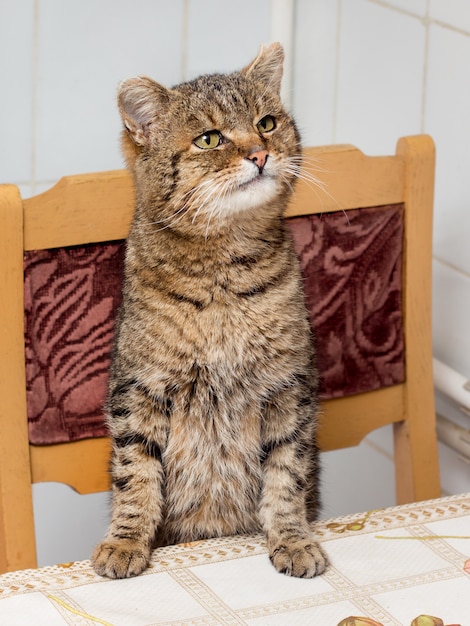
[(389, 566)]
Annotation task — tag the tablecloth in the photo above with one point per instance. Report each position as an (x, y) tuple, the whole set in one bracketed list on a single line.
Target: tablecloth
[(389, 566)]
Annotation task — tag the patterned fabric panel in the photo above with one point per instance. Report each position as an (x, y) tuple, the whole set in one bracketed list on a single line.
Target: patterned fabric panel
[(351, 265), (71, 300), (352, 273)]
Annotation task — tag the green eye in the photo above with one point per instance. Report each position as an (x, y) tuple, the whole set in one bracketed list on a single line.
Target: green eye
[(266, 124), (209, 140)]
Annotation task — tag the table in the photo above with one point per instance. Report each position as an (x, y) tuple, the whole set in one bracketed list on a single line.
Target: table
[(390, 566)]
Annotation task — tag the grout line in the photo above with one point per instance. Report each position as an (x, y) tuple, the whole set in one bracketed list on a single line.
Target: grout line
[(184, 41), (451, 266), (33, 188), (426, 19), (455, 29), (34, 97), (337, 64), (386, 5), (424, 83), (294, 56), (379, 449), (282, 30)]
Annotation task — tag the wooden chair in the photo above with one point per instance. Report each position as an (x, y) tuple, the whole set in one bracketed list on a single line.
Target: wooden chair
[(98, 207)]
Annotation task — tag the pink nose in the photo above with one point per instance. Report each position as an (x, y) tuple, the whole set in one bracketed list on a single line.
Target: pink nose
[(259, 158)]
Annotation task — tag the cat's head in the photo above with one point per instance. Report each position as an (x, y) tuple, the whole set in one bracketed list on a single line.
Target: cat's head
[(212, 147)]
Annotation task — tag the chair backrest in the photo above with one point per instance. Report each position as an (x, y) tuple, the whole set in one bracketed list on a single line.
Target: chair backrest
[(98, 207)]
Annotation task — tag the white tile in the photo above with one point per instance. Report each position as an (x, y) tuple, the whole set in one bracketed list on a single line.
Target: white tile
[(456, 13), (354, 480), (85, 49), (417, 7), (16, 79), (380, 76), (225, 36), (68, 525), (451, 410), (26, 190), (43, 186), (455, 471), (447, 120), (35, 188), (382, 440), (451, 306), (314, 76)]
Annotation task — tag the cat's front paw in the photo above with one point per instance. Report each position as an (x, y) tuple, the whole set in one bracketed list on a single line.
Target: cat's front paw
[(120, 558), (300, 557)]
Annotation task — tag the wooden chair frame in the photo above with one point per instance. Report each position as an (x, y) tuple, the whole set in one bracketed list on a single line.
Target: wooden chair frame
[(99, 207)]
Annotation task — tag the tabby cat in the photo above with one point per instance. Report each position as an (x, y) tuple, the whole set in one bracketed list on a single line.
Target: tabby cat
[(212, 397)]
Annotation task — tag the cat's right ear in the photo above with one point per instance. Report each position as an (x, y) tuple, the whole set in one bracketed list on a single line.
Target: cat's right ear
[(141, 101), (268, 66)]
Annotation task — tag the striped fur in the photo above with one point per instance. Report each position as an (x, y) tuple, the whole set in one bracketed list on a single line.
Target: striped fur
[(212, 398)]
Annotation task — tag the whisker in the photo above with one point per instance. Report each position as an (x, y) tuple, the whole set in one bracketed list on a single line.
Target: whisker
[(314, 161), (315, 184), (193, 196), (214, 191), (224, 186)]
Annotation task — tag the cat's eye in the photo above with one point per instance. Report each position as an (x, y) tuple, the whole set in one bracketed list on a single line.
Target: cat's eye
[(208, 140), (266, 124)]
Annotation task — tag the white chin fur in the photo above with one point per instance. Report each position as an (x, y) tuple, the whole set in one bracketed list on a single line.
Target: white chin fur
[(262, 189), (246, 190), (250, 190)]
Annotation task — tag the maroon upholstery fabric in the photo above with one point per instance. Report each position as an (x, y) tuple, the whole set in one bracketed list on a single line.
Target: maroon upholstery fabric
[(351, 266), (71, 300)]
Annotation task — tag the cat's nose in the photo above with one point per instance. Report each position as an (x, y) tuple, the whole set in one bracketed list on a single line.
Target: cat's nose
[(259, 158)]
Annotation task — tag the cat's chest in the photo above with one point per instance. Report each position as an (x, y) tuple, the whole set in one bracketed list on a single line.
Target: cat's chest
[(233, 315), (213, 454), (232, 328)]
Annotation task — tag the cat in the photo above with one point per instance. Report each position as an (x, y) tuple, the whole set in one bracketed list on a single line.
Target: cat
[(212, 402)]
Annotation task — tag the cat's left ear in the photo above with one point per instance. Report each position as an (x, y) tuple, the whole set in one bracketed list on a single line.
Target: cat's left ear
[(267, 67), (141, 103)]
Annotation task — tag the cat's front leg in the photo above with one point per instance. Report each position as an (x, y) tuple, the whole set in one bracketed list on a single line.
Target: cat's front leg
[(138, 421), (296, 553), (288, 460), (120, 558), (137, 478), (292, 547)]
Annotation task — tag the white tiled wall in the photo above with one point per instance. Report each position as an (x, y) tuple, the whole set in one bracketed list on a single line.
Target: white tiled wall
[(223, 36), (379, 76), (447, 118), (83, 50), (363, 72), (366, 72), (16, 85), (413, 7), (453, 13)]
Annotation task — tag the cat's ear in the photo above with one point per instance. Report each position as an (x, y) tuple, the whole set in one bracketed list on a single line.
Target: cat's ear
[(267, 67), (141, 102)]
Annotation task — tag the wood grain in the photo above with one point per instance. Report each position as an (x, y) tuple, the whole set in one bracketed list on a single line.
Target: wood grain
[(99, 207)]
